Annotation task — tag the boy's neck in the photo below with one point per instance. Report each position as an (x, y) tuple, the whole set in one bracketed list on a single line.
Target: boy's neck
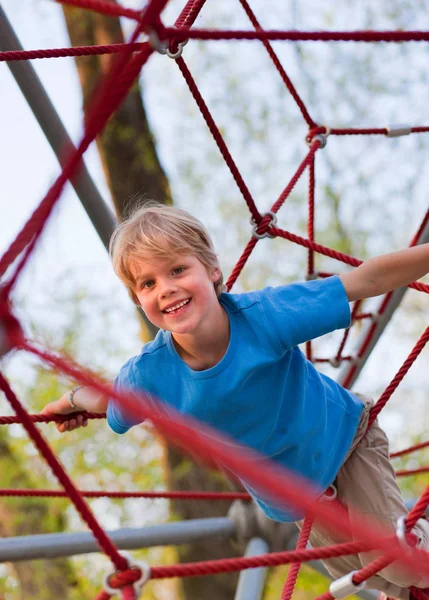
[(205, 350)]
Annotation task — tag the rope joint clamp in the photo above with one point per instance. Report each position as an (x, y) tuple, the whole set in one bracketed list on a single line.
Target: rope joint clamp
[(137, 585), (329, 494), (335, 362), (272, 223), (311, 276), (165, 47), (345, 586), (402, 533), (398, 130), (319, 135)]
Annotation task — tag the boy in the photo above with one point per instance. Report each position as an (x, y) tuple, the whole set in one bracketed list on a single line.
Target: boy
[(232, 362)]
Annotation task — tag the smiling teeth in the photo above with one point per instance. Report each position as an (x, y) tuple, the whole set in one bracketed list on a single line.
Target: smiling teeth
[(177, 306)]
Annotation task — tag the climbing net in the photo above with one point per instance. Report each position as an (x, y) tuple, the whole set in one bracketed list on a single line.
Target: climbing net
[(129, 577)]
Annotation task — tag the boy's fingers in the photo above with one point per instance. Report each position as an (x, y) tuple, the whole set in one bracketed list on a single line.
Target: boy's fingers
[(69, 425)]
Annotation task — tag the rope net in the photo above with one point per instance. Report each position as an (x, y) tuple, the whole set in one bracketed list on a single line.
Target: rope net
[(279, 483)]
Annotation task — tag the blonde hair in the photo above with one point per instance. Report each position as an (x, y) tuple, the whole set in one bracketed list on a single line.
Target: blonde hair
[(155, 230)]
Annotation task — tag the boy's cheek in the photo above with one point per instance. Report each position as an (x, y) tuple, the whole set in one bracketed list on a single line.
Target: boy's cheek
[(152, 316)]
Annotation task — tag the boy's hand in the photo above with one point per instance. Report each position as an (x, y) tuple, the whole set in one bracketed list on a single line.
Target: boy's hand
[(85, 399), (63, 407)]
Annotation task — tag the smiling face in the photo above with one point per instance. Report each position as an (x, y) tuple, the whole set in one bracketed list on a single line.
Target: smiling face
[(177, 294)]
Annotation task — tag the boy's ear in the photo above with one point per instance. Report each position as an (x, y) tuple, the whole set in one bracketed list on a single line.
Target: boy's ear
[(215, 274)]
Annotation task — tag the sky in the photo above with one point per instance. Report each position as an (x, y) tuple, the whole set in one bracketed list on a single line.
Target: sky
[(28, 165)]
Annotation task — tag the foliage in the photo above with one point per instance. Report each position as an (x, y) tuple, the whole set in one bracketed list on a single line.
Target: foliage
[(94, 457)]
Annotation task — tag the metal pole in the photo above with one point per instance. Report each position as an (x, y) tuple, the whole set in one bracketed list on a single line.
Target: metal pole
[(55, 132), (25, 76), (252, 581), (55, 545), (350, 371)]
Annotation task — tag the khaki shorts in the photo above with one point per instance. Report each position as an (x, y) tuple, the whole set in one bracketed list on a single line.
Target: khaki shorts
[(366, 481)]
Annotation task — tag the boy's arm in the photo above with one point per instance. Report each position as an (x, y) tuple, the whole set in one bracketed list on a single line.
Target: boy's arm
[(385, 273), (85, 399)]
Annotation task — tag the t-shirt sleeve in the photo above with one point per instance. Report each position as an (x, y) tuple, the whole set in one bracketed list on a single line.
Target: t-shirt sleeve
[(117, 418), (301, 312)]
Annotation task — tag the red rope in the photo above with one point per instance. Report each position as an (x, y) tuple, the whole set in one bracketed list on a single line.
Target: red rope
[(292, 576), (105, 7), (363, 316), (408, 472), (310, 226), (12, 55), (418, 594), (346, 334), (73, 493), (328, 360), (374, 131), (122, 580), (419, 232), (271, 479), (189, 14), (276, 206), (383, 561), (385, 303), (278, 483), (268, 560), (217, 136), (50, 418), (264, 560), (375, 410), (288, 83), (241, 263), (409, 450), (340, 256), (106, 103), (418, 510), (303, 36), (103, 494)]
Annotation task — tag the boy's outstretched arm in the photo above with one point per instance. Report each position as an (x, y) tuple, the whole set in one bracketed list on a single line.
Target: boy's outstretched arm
[(84, 399), (385, 273)]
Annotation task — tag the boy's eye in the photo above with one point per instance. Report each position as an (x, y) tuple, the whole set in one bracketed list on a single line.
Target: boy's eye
[(178, 270), (148, 284)]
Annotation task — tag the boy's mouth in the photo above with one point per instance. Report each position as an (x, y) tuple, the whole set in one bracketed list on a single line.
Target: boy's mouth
[(177, 307)]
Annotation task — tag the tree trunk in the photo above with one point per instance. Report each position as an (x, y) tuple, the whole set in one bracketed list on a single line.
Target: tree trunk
[(42, 579), (132, 167), (126, 145)]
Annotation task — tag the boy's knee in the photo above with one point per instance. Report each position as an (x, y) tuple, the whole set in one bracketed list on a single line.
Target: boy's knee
[(402, 577)]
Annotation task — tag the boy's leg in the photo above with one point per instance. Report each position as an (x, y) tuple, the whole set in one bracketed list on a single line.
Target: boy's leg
[(343, 565), (367, 482)]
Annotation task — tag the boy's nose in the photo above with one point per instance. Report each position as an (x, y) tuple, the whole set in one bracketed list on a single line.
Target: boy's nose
[(167, 289)]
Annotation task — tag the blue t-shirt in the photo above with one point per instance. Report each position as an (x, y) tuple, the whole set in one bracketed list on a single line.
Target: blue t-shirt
[(264, 393)]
